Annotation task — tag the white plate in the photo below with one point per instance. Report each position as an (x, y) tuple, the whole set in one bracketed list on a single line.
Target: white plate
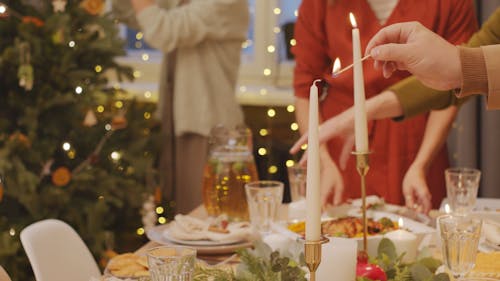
[(156, 234), (162, 233)]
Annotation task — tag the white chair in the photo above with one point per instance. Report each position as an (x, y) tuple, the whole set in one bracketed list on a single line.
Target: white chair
[(57, 253), (3, 275)]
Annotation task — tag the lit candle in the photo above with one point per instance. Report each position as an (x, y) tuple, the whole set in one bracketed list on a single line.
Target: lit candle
[(313, 203), (405, 242), (360, 126)]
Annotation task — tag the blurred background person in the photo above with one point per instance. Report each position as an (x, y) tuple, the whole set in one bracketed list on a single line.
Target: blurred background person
[(201, 41), (410, 153)]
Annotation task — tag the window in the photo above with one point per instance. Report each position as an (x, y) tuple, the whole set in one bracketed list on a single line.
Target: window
[(265, 60)]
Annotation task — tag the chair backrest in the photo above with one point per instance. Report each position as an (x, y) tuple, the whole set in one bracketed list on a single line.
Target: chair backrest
[(57, 253), (3, 275)]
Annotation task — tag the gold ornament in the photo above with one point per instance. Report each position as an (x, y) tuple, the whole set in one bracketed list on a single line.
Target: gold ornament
[(61, 176), (90, 119), (93, 7)]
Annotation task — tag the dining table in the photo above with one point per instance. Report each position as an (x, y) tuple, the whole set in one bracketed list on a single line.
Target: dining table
[(488, 206)]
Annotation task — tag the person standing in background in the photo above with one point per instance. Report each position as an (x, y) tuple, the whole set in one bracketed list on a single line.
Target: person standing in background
[(403, 152), (201, 41)]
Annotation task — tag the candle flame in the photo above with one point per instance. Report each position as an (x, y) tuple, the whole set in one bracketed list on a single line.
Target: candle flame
[(336, 66), (400, 222), (447, 208), (3, 8), (353, 20)]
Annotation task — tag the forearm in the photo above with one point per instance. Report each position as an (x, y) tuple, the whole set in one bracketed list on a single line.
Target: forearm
[(436, 132), (382, 106)]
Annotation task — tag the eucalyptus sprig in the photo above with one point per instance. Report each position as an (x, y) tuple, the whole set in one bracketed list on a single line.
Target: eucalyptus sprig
[(424, 269)]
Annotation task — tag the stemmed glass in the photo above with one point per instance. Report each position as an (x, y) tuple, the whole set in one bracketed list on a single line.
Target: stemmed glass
[(459, 239)]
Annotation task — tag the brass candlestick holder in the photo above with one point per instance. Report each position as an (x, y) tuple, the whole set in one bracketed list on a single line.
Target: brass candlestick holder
[(312, 255), (363, 165)]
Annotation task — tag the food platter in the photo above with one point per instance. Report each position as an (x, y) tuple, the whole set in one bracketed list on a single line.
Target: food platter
[(419, 229)]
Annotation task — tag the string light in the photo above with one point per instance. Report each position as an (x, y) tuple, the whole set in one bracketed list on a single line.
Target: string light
[(147, 94), (262, 151), (290, 108), (107, 127), (12, 232), (139, 35), (304, 146), (100, 108), (118, 104), (145, 57), (263, 132), (162, 220), (293, 42), (147, 115), (267, 71), (71, 44), (66, 146), (137, 74), (271, 112), (115, 155), (78, 90), (276, 29), (159, 210), (138, 45), (289, 163), (271, 49), (3, 9), (100, 197), (140, 231), (294, 126), (272, 169), (277, 11), (98, 68)]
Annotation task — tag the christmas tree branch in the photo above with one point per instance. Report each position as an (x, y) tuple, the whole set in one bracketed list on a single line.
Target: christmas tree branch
[(94, 153)]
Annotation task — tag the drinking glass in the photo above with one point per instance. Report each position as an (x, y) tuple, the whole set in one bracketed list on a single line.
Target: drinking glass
[(459, 241), (171, 263), (264, 198), (297, 178), (461, 189)]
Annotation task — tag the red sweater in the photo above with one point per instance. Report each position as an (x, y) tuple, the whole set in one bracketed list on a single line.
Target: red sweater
[(323, 32)]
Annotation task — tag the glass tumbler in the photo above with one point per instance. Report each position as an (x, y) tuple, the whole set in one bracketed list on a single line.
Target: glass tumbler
[(461, 189), (171, 263), (459, 242), (264, 199)]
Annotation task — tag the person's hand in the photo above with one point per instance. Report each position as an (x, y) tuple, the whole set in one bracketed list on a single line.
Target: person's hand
[(416, 191), (341, 125), (331, 182), (140, 5), (410, 46)]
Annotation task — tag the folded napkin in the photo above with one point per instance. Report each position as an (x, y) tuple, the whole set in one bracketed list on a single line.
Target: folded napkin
[(190, 228), (491, 232)]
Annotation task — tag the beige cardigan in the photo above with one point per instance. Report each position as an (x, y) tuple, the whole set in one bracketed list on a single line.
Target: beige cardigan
[(481, 73), (207, 37)]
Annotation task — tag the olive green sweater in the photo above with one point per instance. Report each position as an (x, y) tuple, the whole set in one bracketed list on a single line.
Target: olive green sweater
[(415, 98)]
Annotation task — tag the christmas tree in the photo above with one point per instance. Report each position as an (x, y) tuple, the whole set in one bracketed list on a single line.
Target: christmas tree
[(71, 146)]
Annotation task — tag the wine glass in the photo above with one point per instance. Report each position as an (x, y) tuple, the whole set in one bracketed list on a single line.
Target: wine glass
[(459, 241)]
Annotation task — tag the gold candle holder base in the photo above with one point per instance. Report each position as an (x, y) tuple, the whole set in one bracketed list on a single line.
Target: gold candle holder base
[(363, 165), (312, 255)]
